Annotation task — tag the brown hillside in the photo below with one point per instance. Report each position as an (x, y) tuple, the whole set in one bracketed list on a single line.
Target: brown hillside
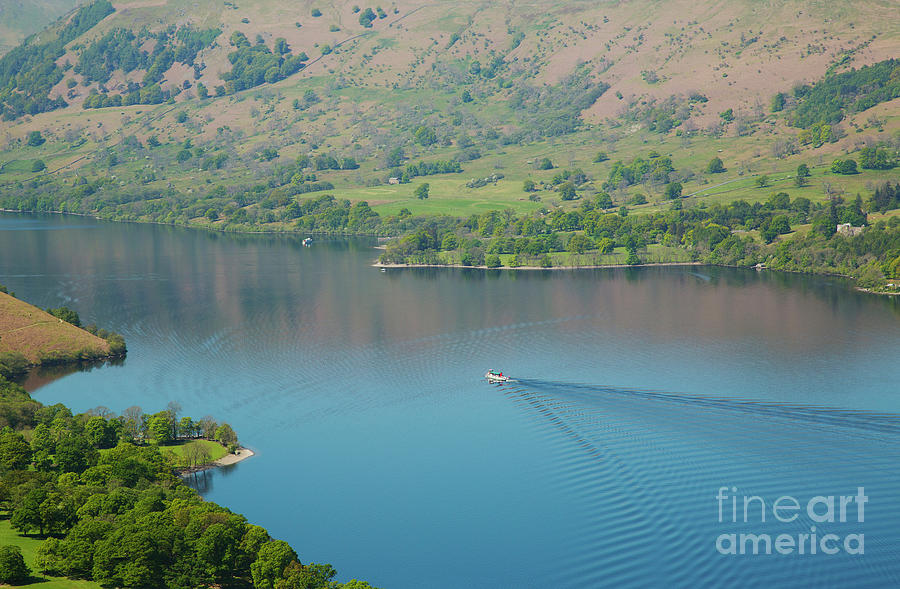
[(39, 336), (737, 54)]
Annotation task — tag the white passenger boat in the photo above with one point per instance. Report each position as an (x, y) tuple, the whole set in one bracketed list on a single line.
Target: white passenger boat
[(495, 376)]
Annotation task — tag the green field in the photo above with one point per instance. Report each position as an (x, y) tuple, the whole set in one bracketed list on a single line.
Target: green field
[(29, 545), (215, 449)]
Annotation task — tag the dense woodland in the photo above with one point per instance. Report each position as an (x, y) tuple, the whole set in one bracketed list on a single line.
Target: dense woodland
[(828, 101), (106, 499), (717, 234)]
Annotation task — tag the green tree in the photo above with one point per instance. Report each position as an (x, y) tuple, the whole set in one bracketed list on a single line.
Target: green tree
[(603, 201), (35, 139), (528, 186), (218, 549), (875, 158), (67, 315), (99, 432), (313, 576), (567, 191), (15, 453), (425, 136), (492, 261), (715, 166), (421, 191), (779, 201), (160, 428), (26, 514), (13, 570), (273, 557), (450, 242), (545, 164), (74, 453), (778, 102), (600, 157), (57, 513), (762, 181), (579, 243), (356, 584), (186, 427), (38, 166), (366, 18), (673, 190), (606, 245), (132, 555), (42, 439), (781, 224), (394, 157), (802, 177), (847, 166), (316, 12), (225, 435)]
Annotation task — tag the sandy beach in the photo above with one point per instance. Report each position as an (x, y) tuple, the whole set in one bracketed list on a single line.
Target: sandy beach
[(242, 454)]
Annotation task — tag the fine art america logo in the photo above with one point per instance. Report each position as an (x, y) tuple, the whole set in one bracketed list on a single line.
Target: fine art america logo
[(825, 514)]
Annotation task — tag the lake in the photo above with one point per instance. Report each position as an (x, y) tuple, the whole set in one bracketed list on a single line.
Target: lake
[(640, 394)]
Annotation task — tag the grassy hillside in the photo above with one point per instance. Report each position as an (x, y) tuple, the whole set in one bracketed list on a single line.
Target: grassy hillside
[(29, 546), (239, 115), (41, 337)]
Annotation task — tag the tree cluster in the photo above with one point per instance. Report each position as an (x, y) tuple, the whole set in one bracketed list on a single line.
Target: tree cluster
[(256, 64), (832, 98), (28, 72), (111, 510)]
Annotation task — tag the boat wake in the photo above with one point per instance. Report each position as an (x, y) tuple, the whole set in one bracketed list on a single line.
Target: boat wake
[(642, 468), (791, 412)]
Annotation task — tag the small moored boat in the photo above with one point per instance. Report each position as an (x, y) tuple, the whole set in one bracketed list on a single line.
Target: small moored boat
[(495, 376), (307, 242)]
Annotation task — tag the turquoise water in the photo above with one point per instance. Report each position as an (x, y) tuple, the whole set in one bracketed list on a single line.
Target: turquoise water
[(640, 393)]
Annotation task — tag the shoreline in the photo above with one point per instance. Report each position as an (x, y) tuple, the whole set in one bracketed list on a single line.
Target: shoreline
[(206, 227), (239, 456), (382, 238), (383, 266), (227, 460), (886, 293), (378, 264)]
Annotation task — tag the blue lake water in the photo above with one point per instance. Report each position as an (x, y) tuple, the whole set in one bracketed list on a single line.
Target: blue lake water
[(640, 393)]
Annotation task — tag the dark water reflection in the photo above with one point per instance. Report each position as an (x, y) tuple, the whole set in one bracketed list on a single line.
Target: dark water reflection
[(641, 392), (44, 375)]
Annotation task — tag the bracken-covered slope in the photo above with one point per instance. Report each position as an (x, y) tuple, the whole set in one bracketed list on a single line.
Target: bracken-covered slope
[(737, 54), (39, 336)]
